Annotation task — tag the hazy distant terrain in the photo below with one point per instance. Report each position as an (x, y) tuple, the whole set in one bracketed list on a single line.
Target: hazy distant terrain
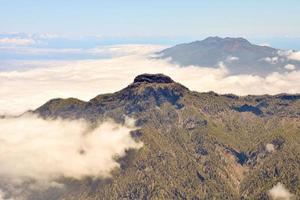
[(237, 54)]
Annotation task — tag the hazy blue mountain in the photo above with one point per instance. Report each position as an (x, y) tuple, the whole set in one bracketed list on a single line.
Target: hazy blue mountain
[(238, 54)]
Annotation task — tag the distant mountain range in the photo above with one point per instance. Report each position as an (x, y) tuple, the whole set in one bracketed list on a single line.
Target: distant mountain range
[(238, 54), (196, 145)]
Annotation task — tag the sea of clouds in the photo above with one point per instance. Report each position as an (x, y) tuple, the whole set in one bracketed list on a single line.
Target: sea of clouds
[(41, 80)]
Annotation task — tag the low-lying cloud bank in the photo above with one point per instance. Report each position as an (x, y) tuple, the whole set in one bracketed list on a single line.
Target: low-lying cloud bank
[(279, 192), (16, 41), (32, 148), (295, 56), (97, 52), (23, 90)]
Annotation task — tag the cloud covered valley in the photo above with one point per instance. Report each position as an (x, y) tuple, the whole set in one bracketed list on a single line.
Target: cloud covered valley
[(42, 80), (36, 153)]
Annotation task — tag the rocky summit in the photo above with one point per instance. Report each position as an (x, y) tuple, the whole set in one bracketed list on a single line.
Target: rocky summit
[(153, 78), (196, 145)]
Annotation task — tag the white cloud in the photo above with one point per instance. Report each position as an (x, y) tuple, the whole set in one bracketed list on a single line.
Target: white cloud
[(284, 53), (265, 45), (40, 51), (38, 154), (270, 148), (232, 58), (129, 49), (16, 41), (279, 192), (44, 150), (294, 56), (22, 90), (290, 67), (106, 51), (271, 60), (290, 54), (47, 36)]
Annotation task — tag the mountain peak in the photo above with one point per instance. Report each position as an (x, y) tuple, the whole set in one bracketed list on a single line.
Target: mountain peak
[(217, 39), (153, 78), (212, 38), (238, 54)]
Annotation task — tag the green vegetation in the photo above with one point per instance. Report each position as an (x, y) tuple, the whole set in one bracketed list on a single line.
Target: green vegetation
[(196, 145)]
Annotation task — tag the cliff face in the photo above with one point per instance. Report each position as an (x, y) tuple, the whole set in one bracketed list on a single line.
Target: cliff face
[(196, 145)]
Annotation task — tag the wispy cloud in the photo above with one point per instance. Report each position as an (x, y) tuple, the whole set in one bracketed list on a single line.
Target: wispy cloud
[(98, 52), (128, 49), (16, 41), (232, 58)]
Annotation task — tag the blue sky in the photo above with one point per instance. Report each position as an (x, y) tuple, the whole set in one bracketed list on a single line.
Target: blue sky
[(168, 18), (86, 24)]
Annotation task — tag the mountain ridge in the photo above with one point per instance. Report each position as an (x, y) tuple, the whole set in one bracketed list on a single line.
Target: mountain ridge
[(196, 145), (149, 81)]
